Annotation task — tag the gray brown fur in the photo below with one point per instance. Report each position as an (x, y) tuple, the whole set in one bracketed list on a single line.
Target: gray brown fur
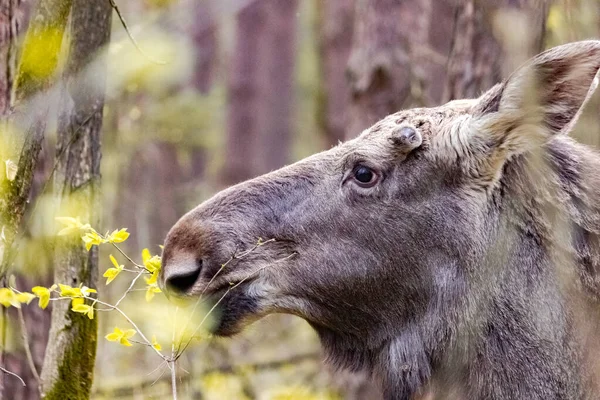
[(470, 270)]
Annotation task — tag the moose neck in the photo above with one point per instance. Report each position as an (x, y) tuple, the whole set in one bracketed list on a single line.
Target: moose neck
[(510, 332)]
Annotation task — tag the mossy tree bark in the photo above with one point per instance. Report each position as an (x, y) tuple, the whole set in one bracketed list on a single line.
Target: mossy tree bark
[(69, 362), (490, 40), (25, 97)]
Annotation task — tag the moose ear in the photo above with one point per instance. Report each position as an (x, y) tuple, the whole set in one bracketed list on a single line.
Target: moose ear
[(541, 98)]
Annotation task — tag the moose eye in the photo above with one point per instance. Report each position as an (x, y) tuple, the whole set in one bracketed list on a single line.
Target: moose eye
[(365, 177)]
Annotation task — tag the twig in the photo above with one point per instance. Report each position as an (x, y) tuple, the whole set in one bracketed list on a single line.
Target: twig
[(135, 43), (172, 363), (26, 346), (130, 322), (112, 307), (129, 258), (13, 374), (227, 368), (223, 296), (223, 266), (173, 379), (129, 289)]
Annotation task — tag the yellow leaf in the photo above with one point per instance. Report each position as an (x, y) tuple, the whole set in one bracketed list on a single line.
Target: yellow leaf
[(150, 291), (155, 344), (68, 291), (85, 291), (153, 278), (128, 333), (43, 294), (25, 297), (92, 238), (152, 263), (84, 309), (9, 298), (118, 236), (72, 225), (145, 256), (121, 336), (112, 273), (77, 301)]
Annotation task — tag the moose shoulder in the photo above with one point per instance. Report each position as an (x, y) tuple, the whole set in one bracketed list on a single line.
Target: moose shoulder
[(453, 251)]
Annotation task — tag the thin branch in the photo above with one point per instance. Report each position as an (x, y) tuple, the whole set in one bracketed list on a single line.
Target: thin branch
[(226, 368), (130, 322), (13, 374), (135, 43), (223, 266), (172, 363), (223, 296), (173, 380), (133, 324), (129, 258), (28, 354)]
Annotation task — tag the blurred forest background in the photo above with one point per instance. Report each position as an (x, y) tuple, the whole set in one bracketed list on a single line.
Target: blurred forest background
[(226, 90)]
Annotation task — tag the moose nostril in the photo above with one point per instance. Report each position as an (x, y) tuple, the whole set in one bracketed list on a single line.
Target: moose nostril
[(181, 282)]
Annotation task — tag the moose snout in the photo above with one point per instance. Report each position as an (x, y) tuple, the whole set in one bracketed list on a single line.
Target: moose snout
[(181, 274)]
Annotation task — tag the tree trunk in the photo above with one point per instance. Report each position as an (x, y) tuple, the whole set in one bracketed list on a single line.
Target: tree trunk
[(336, 19), (204, 35), (277, 86), (490, 41), (243, 106), (69, 362), (32, 81), (381, 71), (8, 39)]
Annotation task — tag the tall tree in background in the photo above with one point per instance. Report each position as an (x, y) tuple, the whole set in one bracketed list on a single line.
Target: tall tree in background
[(243, 106), (424, 52), (69, 362), (277, 85), (204, 36), (335, 29), (383, 77), (490, 40)]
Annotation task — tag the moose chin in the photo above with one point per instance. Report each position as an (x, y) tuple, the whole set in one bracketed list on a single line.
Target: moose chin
[(453, 249)]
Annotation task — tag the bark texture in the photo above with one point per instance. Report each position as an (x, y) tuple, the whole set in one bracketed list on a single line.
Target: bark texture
[(31, 113), (277, 88), (243, 107), (336, 28), (204, 36), (10, 24), (383, 76), (31, 87), (490, 40), (69, 362)]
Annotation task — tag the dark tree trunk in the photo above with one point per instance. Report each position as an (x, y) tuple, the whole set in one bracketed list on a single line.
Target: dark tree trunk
[(204, 35), (278, 57), (336, 28), (490, 41), (384, 76), (69, 362), (33, 97), (243, 107)]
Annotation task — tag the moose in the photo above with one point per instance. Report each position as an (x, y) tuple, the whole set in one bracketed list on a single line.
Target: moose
[(449, 252)]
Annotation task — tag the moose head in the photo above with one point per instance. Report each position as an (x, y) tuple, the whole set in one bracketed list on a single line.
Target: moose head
[(425, 250)]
